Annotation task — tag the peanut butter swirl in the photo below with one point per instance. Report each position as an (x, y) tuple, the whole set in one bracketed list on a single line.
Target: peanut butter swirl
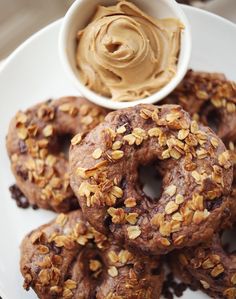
[(125, 55)]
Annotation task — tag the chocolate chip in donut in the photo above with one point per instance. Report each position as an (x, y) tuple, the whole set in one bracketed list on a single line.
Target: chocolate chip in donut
[(196, 170), (68, 259), (35, 144), (18, 196)]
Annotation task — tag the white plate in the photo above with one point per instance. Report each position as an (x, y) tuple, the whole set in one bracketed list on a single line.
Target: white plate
[(33, 73)]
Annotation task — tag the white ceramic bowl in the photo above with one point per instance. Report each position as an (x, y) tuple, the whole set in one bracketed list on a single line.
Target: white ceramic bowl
[(78, 17)]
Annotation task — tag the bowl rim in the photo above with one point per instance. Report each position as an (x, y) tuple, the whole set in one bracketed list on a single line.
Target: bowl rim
[(104, 101)]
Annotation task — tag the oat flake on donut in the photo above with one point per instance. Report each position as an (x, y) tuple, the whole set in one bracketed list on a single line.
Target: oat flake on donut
[(211, 100), (197, 178), (68, 259), (208, 267), (34, 146)]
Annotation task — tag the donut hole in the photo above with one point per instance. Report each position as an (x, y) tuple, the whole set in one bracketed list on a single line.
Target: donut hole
[(72, 202), (213, 118), (150, 181), (61, 144), (91, 263), (228, 240)]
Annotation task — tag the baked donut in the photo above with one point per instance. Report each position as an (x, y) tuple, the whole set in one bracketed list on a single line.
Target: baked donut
[(195, 185), (209, 98), (68, 259), (209, 267), (34, 144)]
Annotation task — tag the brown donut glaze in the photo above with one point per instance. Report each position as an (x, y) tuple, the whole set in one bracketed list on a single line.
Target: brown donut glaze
[(196, 182), (68, 259), (34, 147), (208, 267)]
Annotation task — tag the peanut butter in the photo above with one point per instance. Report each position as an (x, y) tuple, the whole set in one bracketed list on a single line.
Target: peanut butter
[(126, 55)]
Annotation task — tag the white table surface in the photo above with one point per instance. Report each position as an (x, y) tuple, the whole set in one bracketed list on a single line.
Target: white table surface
[(1, 64)]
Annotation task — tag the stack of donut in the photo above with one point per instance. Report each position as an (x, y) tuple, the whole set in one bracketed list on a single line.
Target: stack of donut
[(109, 237)]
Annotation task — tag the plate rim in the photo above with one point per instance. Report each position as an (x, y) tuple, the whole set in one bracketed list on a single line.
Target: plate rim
[(56, 23)]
